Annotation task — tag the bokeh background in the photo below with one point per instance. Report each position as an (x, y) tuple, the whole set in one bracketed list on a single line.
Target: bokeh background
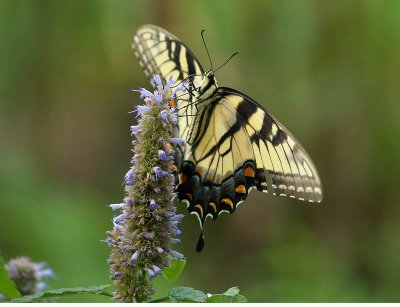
[(329, 70)]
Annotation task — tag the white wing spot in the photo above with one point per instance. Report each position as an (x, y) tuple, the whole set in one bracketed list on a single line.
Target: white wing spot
[(317, 190), (309, 190)]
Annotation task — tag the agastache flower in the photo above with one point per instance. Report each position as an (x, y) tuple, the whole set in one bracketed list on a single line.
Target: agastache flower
[(29, 277), (148, 225)]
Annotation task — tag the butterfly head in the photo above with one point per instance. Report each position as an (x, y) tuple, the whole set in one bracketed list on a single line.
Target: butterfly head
[(203, 85)]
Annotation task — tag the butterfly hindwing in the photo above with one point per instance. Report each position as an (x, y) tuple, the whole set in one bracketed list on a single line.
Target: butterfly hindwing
[(243, 147)]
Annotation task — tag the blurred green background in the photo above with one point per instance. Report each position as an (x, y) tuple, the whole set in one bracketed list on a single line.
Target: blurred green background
[(329, 70)]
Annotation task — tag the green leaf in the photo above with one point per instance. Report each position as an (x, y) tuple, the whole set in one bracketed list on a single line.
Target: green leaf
[(222, 298), (186, 294), (7, 286), (230, 296), (174, 271), (63, 292), (232, 291)]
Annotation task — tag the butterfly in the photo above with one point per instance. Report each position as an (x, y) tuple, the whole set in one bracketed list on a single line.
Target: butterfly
[(233, 143)]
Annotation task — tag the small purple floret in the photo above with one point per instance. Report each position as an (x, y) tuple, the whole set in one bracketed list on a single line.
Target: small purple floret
[(134, 258), (135, 129), (178, 141), (159, 172), (177, 255), (116, 206), (153, 205), (163, 156), (142, 109)]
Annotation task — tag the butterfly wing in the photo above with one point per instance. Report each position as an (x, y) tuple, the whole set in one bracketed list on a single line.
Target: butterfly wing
[(243, 147), (162, 53)]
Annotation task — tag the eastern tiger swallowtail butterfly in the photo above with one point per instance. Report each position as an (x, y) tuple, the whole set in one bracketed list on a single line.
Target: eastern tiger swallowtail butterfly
[(233, 143)]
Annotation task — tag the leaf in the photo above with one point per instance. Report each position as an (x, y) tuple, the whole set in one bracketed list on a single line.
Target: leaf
[(172, 272), (222, 298), (186, 294), (229, 296), (232, 291), (63, 292), (7, 286)]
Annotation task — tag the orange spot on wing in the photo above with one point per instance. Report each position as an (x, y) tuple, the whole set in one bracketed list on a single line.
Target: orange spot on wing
[(182, 177), (172, 103), (241, 189), (212, 205), (169, 145), (189, 195), (198, 206), (227, 201), (249, 172)]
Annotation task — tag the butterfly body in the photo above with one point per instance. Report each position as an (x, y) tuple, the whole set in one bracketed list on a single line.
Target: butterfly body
[(233, 143)]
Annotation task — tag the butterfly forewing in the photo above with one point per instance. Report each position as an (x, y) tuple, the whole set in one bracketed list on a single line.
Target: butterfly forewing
[(162, 53)]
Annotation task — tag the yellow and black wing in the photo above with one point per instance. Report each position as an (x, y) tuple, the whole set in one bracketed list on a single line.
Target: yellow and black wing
[(243, 147), (161, 53)]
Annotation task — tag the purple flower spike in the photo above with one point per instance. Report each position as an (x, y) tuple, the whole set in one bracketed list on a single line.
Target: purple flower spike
[(163, 156), (153, 205), (134, 258), (143, 234)]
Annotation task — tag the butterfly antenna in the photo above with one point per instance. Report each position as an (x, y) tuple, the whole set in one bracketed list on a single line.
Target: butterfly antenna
[(205, 45), (226, 62)]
